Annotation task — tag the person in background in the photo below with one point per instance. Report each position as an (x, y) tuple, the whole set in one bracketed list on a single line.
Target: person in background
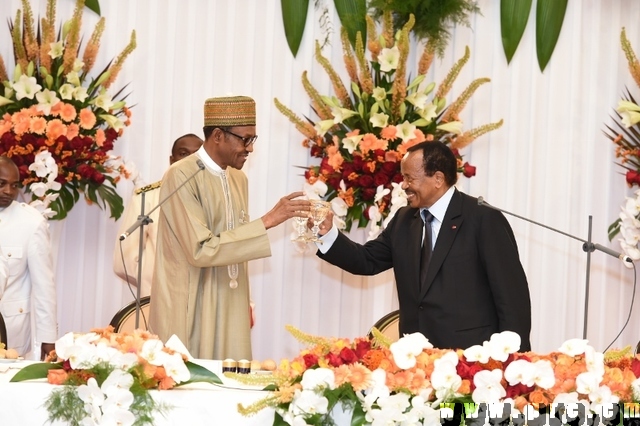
[(206, 238), (24, 242), (182, 147), (456, 265)]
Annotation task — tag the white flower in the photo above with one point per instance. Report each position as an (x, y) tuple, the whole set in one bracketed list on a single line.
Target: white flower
[(573, 347), (478, 353), (502, 344), (407, 348), (26, 87), (114, 122), (379, 120), (406, 131), (56, 49), (488, 388), (38, 188), (635, 388), (587, 382), (520, 371), (318, 378), (46, 100), (595, 361), (91, 393), (77, 65), (116, 381), (451, 127), (389, 59), (323, 126), (80, 93), (418, 100), (176, 368), (378, 389), (339, 207), (315, 191), (381, 192), (351, 143), (379, 94), (66, 91), (152, 352), (602, 400), (74, 79), (103, 101), (630, 113), (544, 375), (341, 114), (308, 402), (44, 164), (445, 379), (429, 112)]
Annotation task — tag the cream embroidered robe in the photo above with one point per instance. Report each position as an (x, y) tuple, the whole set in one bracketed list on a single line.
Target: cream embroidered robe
[(191, 294)]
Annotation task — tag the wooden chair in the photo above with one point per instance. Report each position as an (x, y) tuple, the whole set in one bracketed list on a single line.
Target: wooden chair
[(3, 333), (388, 325), (125, 319)]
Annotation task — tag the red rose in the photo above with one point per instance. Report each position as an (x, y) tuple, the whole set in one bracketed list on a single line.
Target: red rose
[(517, 390), (111, 134), (98, 177), (85, 171), (334, 360), (456, 152), (368, 194), (365, 181), (362, 347), (348, 356), (358, 162), (466, 369), (391, 167), (334, 182), (316, 151), (635, 367), (107, 145), (310, 360), (468, 170), (633, 178), (397, 178), (381, 178)]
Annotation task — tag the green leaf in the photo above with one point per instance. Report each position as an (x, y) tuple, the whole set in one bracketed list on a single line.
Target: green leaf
[(278, 420), (352, 16), (200, 374), (35, 371), (294, 17), (93, 5), (514, 15), (614, 229), (358, 418), (549, 18)]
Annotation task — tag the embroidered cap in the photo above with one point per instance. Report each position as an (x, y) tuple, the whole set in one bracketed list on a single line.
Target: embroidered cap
[(230, 111)]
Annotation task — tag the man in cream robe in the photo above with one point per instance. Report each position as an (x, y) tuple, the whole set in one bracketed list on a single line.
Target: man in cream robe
[(205, 238)]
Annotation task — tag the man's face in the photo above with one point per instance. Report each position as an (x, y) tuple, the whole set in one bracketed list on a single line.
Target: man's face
[(184, 147), (232, 151), (9, 183), (421, 190)]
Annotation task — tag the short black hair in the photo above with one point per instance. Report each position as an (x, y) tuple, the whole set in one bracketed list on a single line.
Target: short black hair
[(208, 130), (438, 157), (188, 135)]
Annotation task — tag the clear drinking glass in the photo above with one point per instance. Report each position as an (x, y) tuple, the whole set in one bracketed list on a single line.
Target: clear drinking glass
[(319, 211)]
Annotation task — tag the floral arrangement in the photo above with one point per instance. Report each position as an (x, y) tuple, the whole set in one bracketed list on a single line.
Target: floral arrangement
[(362, 135), (106, 377), (410, 382), (626, 137), (57, 123)]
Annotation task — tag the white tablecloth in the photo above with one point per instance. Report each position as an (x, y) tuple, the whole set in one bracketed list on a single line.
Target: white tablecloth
[(21, 404)]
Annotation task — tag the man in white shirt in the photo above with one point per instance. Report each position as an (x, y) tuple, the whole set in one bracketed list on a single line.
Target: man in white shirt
[(24, 242)]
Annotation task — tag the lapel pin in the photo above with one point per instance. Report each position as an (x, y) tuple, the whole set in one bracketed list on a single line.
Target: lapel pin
[(453, 227)]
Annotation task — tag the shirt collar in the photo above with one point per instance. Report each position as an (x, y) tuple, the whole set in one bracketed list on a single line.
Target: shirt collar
[(439, 208), (208, 161)]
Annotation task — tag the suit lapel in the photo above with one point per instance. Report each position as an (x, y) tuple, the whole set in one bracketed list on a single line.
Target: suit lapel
[(448, 231)]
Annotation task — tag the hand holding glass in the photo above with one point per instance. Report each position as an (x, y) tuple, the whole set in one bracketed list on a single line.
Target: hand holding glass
[(319, 211)]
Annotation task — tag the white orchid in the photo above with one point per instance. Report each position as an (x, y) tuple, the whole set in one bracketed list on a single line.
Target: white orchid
[(501, 345), (152, 352), (308, 402), (479, 353), (407, 348), (176, 368), (44, 164), (488, 388), (318, 378), (588, 382), (573, 347)]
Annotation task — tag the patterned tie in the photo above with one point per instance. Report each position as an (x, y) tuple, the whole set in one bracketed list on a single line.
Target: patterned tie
[(425, 254)]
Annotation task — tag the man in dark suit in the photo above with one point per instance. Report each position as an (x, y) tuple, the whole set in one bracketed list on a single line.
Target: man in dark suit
[(472, 284)]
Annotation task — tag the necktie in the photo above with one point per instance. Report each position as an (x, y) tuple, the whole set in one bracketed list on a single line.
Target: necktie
[(425, 253)]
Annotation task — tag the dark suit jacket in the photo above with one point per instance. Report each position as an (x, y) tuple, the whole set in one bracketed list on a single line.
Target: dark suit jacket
[(476, 284)]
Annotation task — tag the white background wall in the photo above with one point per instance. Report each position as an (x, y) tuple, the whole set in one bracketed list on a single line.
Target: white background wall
[(550, 161)]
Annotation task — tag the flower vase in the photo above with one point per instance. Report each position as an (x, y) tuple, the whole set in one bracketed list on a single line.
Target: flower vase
[(341, 414)]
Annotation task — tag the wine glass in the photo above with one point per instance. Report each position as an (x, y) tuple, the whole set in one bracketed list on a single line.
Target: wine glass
[(300, 225), (319, 211)]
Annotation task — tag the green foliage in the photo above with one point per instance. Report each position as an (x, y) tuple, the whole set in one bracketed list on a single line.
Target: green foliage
[(549, 18), (93, 5), (352, 17), (433, 17), (35, 371), (514, 15), (294, 17)]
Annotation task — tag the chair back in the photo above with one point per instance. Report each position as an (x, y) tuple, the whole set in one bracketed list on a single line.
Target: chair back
[(3, 333), (125, 319), (388, 325)]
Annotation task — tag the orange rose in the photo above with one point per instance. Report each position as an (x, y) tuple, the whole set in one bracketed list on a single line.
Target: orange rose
[(57, 376)]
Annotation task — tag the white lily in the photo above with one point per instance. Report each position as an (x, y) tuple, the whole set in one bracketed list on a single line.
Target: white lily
[(379, 120), (26, 87), (405, 131), (56, 49), (351, 143), (341, 114), (114, 122), (418, 99), (73, 78), (379, 94), (80, 93), (454, 127), (323, 126), (389, 59), (46, 100)]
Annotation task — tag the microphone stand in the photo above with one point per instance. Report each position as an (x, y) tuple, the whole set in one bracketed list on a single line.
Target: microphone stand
[(145, 219), (588, 246)]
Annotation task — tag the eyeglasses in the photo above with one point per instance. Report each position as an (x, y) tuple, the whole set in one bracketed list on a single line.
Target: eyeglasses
[(247, 140)]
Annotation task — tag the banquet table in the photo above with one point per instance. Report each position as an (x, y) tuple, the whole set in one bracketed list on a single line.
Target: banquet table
[(21, 404)]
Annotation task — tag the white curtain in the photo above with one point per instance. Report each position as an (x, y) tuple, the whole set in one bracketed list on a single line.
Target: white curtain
[(549, 162)]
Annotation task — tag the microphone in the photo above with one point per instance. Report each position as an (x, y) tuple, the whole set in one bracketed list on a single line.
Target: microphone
[(587, 246), (146, 219)]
